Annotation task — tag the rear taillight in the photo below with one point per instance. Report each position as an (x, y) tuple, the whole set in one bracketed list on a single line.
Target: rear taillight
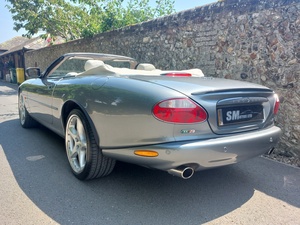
[(177, 74), (179, 110), (277, 104)]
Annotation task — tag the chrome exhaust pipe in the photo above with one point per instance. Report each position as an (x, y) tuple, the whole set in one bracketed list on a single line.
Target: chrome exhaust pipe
[(184, 172)]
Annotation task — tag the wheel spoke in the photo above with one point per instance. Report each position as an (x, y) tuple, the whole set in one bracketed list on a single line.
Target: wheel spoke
[(81, 158), (71, 138), (81, 132), (73, 133), (71, 148)]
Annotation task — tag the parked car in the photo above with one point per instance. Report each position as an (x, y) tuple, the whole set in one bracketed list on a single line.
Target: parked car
[(110, 107)]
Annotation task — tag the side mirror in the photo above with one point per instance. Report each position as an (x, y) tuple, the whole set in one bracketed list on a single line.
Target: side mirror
[(33, 72)]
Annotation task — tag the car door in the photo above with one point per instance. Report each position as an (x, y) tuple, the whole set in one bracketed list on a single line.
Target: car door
[(40, 100), (40, 95)]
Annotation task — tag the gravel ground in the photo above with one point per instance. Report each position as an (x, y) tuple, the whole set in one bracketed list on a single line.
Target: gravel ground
[(293, 161)]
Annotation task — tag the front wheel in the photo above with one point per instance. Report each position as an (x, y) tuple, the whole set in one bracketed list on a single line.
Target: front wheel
[(25, 119), (84, 155)]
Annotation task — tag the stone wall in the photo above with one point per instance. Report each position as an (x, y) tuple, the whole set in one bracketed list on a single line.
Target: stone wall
[(251, 40)]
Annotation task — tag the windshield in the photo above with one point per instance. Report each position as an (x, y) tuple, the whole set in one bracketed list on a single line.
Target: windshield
[(75, 65)]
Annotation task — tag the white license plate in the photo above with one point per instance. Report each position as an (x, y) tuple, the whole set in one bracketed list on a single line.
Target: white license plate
[(240, 114)]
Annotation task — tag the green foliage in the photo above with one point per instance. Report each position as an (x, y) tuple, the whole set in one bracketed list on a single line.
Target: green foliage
[(73, 19)]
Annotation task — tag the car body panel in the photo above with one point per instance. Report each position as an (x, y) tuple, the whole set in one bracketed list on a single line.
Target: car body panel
[(202, 154)]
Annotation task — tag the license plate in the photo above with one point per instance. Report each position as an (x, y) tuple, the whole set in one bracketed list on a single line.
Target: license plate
[(240, 114)]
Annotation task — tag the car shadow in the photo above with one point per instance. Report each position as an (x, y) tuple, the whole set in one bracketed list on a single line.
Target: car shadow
[(132, 194)]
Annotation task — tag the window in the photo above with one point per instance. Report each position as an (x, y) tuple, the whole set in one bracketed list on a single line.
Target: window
[(70, 67)]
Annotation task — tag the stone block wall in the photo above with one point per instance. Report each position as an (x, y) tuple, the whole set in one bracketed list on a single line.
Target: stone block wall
[(251, 40)]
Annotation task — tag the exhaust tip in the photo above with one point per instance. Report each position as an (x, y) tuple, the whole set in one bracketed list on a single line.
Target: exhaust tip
[(184, 172), (187, 173)]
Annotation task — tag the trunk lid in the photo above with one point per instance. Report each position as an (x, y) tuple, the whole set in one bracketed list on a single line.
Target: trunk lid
[(232, 106), (198, 85)]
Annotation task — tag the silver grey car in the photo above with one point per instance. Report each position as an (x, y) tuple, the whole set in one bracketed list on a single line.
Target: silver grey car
[(110, 107)]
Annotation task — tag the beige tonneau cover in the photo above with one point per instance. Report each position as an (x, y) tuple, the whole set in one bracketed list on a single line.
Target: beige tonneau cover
[(93, 67)]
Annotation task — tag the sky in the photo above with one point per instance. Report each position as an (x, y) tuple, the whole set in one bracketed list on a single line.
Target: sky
[(6, 21)]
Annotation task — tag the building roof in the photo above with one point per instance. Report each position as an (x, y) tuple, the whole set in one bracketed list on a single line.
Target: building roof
[(7, 45), (31, 44)]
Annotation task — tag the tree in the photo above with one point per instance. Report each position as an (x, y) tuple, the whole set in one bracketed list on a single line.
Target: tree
[(73, 19)]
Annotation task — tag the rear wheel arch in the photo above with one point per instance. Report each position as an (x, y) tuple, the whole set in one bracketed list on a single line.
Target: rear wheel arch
[(68, 107)]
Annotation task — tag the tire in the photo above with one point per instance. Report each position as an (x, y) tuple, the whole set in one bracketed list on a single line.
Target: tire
[(85, 157), (26, 120)]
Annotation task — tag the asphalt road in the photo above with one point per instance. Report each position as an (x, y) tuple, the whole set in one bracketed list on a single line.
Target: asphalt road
[(37, 187)]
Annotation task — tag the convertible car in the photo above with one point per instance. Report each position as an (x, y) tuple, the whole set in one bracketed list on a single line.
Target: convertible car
[(110, 107)]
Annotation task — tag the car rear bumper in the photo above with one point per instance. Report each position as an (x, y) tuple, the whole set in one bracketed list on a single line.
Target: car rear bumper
[(202, 154)]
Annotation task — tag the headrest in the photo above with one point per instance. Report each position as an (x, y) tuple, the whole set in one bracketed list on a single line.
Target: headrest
[(90, 64), (145, 66)]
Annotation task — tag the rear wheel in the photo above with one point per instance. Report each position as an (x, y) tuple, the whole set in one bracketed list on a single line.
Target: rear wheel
[(84, 155), (25, 119)]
